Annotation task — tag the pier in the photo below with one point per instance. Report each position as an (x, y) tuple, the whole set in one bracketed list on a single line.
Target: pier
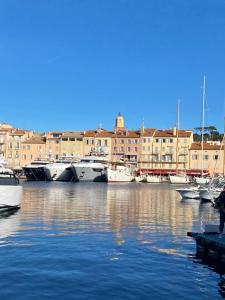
[(209, 246)]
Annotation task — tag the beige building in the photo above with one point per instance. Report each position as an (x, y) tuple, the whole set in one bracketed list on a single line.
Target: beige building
[(97, 142), (71, 144), (208, 157), (13, 146), (53, 149), (165, 150), (32, 149)]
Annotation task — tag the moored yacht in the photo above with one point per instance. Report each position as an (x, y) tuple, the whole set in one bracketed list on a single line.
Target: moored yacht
[(35, 171), (61, 170), (119, 173), (179, 179), (90, 168), (189, 192), (10, 189)]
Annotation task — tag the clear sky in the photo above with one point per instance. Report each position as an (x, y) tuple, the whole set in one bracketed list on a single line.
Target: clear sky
[(74, 64)]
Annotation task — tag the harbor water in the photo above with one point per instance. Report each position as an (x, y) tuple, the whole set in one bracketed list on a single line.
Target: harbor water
[(104, 241)]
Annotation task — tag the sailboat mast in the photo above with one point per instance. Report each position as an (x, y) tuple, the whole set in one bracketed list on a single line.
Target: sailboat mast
[(203, 123), (224, 148), (178, 125)]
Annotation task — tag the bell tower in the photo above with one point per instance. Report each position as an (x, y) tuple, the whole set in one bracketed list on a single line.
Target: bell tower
[(119, 122)]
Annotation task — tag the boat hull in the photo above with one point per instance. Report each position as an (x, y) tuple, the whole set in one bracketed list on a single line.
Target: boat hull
[(86, 173), (176, 179), (209, 194), (11, 196), (189, 193), (59, 172), (118, 176)]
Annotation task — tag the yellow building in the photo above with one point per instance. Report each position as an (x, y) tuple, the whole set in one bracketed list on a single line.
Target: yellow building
[(97, 142), (71, 144), (208, 157), (53, 149), (165, 149), (32, 149), (13, 146)]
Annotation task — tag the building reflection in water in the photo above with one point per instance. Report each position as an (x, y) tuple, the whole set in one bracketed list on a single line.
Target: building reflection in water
[(134, 210)]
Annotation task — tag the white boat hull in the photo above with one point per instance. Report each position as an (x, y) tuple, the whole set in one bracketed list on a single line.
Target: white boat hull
[(118, 176), (191, 193), (11, 196), (179, 179), (202, 180), (153, 179), (209, 194), (59, 172)]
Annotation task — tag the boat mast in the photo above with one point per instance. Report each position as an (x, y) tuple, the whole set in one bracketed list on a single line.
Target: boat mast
[(203, 123), (177, 135), (224, 148)]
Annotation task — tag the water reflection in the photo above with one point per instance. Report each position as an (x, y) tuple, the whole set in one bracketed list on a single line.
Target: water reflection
[(9, 224), (143, 212)]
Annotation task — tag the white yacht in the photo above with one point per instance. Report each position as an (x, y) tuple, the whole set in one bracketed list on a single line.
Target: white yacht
[(10, 189), (35, 171), (60, 170), (179, 179), (189, 192), (202, 180), (119, 173), (90, 168), (154, 179)]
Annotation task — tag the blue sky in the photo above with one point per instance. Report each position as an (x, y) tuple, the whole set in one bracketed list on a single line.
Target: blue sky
[(74, 64)]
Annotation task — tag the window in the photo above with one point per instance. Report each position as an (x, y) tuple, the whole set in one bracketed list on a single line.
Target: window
[(164, 140), (171, 140), (157, 140), (143, 148), (194, 156), (216, 157), (136, 149), (114, 149), (121, 149), (129, 141), (128, 149), (205, 157), (72, 139), (122, 141), (106, 142), (64, 139), (144, 140)]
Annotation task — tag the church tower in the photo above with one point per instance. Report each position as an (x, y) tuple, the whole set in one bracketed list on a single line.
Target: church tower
[(119, 122)]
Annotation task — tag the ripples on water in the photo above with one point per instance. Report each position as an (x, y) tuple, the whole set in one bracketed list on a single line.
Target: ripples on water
[(104, 241)]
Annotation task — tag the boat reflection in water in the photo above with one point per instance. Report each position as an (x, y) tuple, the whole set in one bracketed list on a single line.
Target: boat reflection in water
[(114, 207), (9, 224)]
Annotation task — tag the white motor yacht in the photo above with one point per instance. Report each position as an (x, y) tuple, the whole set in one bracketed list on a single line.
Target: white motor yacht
[(179, 179), (189, 192), (10, 189), (60, 170), (119, 173), (154, 179), (90, 168)]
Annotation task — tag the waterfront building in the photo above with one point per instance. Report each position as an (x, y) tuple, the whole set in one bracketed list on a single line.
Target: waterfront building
[(98, 142), (165, 150), (71, 144), (125, 143), (208, 156), (53, 149), (13, 146), (33, 148)]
